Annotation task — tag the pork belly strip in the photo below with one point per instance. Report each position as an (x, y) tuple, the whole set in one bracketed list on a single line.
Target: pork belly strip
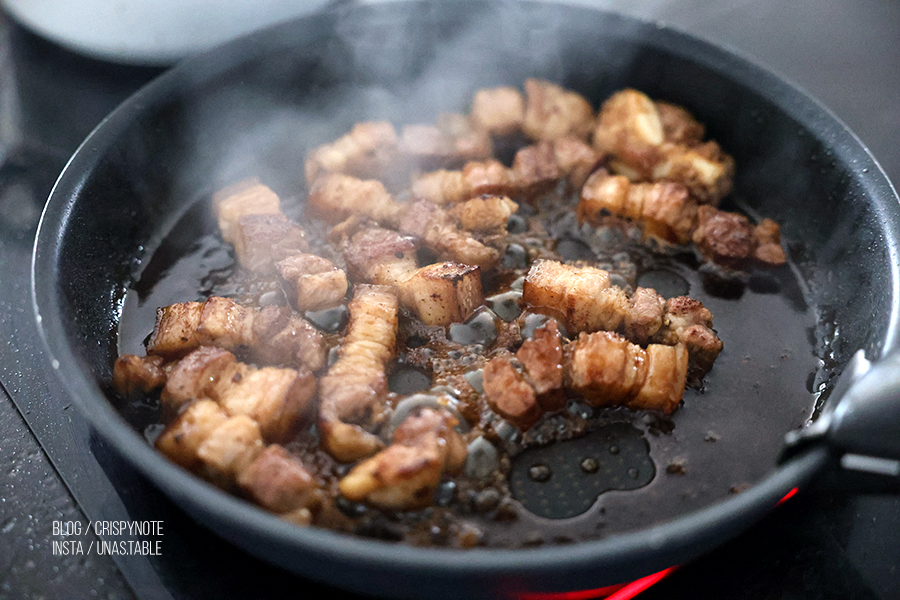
[(405, 474), (133, 374), (647, 144), (229, 452), (271, 334), (280, 401), (262, 240), (439, 294), (440, 232), (553, 112), (311, 282), (366, 151), (586, 302), (352, 391), (666, 211), (335, 197), (247, 197), (485, 213), (498, 111)]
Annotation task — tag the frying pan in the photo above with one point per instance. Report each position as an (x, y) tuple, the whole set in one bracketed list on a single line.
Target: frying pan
[(255, 106)]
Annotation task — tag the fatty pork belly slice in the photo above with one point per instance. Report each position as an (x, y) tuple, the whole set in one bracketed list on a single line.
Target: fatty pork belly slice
[(405, 475), (608, 370), (262, 240), (538, 168), (134, 374), (278, 400), (272, 334), (586, 302), (552, 112), (438, 294), (247, 197), (521, 389), (475, 179), (653, 141), (311, 282), (335, 197), (487, 213), (280, 483), (499, 111), (451, 142), (731, 240), (367, 150), (438, 229), (354, 388), (205, 440)]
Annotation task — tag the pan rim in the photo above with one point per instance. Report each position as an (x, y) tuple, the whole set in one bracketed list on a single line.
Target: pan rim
[(645, 546)]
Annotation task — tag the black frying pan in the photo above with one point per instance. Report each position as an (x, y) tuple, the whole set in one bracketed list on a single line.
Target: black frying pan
[(255, 106)]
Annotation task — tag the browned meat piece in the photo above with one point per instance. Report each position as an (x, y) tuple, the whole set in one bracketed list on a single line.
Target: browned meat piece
[(724, 238), (380, 256), (450, 143), (552, 112), (646, 144), (665, 210), (443, 293), (582, 297), (335, 197), (278, 400), (704, 169), (688, 322), (678, 125), (132, 374), (182, 438), (485, 213), (645, 315), (229, 449), (311, 282), (248, 197), (536, 170), (768, 250), (577, 160), (262, 240), (272, 334), (367, 152), (470, 142), (439, 232), (499, 111), (509, 393), (475, 179), (608, 370), (196, 376), (542, 357), (278, 482), (406, 474), (354, 387)]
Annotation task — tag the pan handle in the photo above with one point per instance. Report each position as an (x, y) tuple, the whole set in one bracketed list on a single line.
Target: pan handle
[(860, 427)]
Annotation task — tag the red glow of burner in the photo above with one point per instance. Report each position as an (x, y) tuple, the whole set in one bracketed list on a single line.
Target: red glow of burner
[(611, 592), (788, 496)]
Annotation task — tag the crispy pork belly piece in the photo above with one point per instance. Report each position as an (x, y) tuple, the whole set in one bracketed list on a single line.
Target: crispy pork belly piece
[(646, 144), (280, 483), (229, 449), (475, 179), (470, 142), (645, 315), (688, 322), (664, 209), (367, 151), (311, 282), (133, 374), (577, 160), (262, 240), (439, 231), (248, 197), (535, 169), (406, 473), (499, 111), (509, 393), (196, 376), (553, 112), (450, 143), (182, 438), (542, 357), (272, 334), (334, 197), (485, 213), (730, 240), (278, 400), (705, 169), (582, 297), (353, 389), (768, 250), (443, 293), (608, 370), (380, 256)]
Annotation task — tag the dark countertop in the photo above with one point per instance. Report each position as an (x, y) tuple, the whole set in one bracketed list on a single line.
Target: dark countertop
[(845, 54)]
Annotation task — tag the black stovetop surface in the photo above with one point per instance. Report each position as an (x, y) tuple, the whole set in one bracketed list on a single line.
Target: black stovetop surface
[(816, 546)]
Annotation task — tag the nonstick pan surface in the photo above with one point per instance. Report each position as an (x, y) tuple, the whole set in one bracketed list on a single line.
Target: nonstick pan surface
[(255, 106)]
